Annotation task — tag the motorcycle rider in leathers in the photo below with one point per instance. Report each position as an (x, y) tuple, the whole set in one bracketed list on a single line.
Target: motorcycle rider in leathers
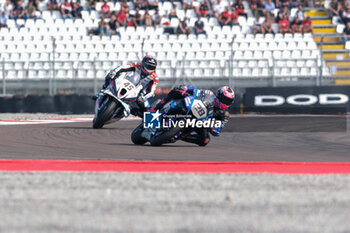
[(149, 81), (218, 103)]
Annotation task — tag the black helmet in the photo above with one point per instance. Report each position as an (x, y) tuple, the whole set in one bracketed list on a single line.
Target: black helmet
[(149, 64)]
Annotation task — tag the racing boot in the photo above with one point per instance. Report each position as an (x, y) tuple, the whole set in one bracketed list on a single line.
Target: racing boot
[(195, 139), (141, 107)]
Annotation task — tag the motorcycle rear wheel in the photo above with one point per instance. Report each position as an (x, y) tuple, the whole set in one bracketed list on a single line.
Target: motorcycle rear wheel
[(105, 114)]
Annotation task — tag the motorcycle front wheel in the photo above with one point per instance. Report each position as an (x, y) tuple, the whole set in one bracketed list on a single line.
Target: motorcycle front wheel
[(164, 137), (104, 115)]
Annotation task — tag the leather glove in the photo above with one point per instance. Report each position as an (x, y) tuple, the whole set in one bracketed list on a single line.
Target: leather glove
[(141, 99), (222, 115), (111, 74)]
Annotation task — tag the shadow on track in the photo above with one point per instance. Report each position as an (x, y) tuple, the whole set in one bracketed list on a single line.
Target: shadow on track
[(149, 146)]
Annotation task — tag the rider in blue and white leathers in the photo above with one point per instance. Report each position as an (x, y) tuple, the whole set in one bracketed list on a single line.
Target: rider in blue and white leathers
[(216, 105)]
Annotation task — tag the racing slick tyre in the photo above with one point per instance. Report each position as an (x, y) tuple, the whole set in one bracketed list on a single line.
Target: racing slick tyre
[(164, 137), (104, 115), (136, 136)]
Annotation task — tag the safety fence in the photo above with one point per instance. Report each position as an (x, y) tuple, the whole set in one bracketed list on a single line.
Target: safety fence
[(86, 76), (281, 100)]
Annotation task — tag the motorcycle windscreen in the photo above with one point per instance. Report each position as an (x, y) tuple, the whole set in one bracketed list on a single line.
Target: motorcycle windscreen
[(133, 77)]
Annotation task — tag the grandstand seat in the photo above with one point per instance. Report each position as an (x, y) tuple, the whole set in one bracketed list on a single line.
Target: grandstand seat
[(300, 63), (294, 71), (237, 72), (264, 72), (258, 55), (262, 63), (286, 54), (256, 72), (277, 72), (246, 72)]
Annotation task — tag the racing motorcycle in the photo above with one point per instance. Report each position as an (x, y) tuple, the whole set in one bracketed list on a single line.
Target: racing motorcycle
[(195, 107), (113, 103)]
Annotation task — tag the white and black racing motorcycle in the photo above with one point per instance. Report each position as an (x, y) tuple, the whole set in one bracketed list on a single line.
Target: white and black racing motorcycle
[(113, 103)]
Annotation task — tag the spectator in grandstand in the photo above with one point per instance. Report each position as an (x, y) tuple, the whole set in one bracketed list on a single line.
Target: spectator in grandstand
[(284, 25), (266, 27), (187, 4), (346, 32), (18, 11), (30, 11), (121, 18), (156, 18), (257, 26), (234, 17), (307, 25), (148, 21), (270, 6), (254, 8), (183, 27), (239, 8), (130, 21), (218, 8), (296, 3), (172, 12), (36, 4), (76, 10), (66, 10), (225, 17), (300, 14), (283, 3), (281, 13), (297, 26), (138, 17), (344, 5), (3, 20), (346, 15), (52, 5), (260, 8), (133, 21), (141, 4), (298, 20), (125, 7), (113, 25), (105, 9), (199, 27), (334, 8), (91, 5), (204, 10), (8, 7), (152, 4), (103, 27)]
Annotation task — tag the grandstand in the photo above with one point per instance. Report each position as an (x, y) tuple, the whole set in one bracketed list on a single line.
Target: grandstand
[(51, 48)]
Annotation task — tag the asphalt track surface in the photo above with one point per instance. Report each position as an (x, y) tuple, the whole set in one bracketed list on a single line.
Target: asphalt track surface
[(67, 202), (247, 138)]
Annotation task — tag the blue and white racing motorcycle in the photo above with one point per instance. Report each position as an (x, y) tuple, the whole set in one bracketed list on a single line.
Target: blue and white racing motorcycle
[(197, 107)]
